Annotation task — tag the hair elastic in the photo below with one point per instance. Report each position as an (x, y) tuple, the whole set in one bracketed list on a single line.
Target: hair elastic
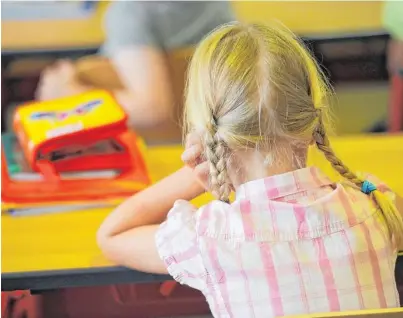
[(367, 187)]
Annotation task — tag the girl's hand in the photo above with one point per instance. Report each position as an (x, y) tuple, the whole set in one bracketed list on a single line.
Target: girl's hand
[(193, 158)]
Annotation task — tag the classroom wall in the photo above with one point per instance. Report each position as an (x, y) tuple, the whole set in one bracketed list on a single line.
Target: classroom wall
[(326, 15)]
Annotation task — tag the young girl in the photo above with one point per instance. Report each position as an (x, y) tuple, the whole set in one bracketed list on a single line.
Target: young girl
[(292, 242)]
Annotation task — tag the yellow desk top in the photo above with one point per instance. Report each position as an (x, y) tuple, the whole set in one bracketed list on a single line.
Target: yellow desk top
[(313, 18), (67, 240)]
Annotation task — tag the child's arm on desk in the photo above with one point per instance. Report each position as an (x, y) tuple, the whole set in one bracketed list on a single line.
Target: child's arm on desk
[(127, 236), (133, 75)]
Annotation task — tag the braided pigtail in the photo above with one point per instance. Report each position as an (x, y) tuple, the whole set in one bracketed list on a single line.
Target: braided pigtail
[(216, 155), (389, 211)]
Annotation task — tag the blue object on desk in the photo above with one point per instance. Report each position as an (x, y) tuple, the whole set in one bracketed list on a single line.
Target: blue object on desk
[(89, 5), (8, 141)]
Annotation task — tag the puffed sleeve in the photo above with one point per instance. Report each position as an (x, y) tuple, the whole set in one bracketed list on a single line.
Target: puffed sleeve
[(177, 245)]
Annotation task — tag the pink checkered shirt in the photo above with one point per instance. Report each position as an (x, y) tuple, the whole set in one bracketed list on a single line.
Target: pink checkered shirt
[(289, 244)]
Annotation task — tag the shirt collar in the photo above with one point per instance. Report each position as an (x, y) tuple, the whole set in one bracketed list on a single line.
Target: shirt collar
[(284, 184)]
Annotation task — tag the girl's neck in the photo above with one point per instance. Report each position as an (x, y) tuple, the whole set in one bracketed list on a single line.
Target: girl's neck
[(252, 165)]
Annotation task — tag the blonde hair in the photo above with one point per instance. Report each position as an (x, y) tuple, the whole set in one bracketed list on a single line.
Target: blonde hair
[(257, 86)]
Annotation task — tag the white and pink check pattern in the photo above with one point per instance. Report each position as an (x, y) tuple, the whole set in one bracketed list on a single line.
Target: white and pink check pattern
[(289, 244)]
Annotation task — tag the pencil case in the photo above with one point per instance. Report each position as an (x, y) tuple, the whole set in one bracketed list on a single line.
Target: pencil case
[(74, 133)]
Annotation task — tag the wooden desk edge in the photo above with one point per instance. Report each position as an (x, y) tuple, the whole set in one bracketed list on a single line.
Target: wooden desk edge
[(94, 276), (56, 279)]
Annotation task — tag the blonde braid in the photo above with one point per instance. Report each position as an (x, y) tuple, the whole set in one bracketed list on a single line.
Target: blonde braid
[(319, 89), (216, 155), (391, 215), (322, 142)]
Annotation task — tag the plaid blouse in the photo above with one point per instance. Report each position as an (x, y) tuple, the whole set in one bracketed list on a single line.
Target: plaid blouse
[(289, 244)]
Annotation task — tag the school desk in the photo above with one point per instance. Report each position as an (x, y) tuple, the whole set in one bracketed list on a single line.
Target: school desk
[(59, 250), (325, 19)]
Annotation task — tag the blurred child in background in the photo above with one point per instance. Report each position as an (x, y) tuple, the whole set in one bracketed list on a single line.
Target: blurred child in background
[(138, 35)]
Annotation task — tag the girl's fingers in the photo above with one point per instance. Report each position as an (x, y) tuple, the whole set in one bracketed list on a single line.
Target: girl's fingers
[(191, 155), (193, 139)]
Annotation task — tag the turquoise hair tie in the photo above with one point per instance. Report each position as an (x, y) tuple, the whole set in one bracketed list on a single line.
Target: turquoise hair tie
[(367, 187)]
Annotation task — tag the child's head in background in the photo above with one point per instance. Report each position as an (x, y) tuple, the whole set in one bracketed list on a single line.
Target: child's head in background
[(259, 100)]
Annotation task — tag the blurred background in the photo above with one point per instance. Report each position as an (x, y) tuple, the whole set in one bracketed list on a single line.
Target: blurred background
[(348, 38)]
